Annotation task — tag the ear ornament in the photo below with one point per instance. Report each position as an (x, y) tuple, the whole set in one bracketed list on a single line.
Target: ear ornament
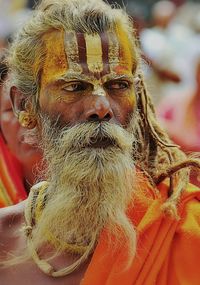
[(27, 120)]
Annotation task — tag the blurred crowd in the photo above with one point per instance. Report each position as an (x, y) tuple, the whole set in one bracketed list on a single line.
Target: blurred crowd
[(170, 44), (169, 33)]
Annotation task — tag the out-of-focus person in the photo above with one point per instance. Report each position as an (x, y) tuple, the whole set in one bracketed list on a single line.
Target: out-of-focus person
[(180, 115), (165, 46), (17, 158), (12, 14)]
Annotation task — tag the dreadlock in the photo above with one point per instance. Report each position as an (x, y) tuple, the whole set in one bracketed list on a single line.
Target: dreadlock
[(160, 158)]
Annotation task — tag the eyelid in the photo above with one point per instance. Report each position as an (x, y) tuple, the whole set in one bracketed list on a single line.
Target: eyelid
[(128, 80), (67, 83), (79, 83), (117, 81)]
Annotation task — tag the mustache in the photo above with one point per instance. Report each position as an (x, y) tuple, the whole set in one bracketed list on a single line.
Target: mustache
[(87, 135), (94, 135)]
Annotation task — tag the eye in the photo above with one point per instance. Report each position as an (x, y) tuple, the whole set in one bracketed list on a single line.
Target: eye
[(117, 85), (75, 86)]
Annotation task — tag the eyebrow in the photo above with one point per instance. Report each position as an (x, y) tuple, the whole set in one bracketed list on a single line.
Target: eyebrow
[(74, 76), (112, 76)]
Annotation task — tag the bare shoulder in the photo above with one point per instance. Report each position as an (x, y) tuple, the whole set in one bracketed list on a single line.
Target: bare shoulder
[(11, 217), (11, 222)]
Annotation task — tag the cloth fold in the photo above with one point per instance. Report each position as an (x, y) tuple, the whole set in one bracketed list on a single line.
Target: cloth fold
[(12, 189), (168, 250)]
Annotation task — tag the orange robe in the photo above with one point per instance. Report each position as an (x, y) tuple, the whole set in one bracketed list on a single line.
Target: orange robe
[(168, 251), (11, 180)]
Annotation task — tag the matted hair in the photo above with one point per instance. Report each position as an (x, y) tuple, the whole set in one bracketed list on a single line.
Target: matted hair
[(155, 154), (27, 53)]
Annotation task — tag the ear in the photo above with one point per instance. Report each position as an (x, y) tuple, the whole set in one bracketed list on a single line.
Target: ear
[(22, 108), (17, 100)]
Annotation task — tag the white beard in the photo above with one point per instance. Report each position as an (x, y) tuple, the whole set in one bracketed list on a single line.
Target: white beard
[(90, 188)]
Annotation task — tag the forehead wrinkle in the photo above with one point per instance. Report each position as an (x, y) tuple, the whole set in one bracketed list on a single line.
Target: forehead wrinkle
[(74, 76), (111, 76)]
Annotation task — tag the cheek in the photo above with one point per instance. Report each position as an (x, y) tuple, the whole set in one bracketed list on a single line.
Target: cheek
[(67, 110), (126, 106), (131, 102), (55, 100), (9, 123), (10, 128)]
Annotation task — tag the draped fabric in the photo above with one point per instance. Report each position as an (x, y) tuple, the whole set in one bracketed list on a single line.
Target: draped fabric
[(168, 250), (11, 179)]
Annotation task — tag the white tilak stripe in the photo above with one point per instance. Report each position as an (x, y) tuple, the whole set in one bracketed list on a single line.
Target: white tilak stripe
[(71, 50), (94, 53)]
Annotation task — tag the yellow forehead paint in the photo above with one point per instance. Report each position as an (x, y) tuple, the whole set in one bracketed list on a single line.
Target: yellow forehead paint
[(55, 63), (72, 55), (127, 54)]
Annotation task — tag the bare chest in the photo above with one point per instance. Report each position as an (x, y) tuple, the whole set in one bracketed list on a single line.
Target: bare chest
[(29, 274)]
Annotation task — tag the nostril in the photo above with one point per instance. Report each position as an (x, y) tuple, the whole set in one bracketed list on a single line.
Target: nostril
[(96, 117), (98, 109), (93, 117), (107, 116)]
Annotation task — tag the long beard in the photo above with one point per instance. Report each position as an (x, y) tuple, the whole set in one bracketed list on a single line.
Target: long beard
[(90, 187)]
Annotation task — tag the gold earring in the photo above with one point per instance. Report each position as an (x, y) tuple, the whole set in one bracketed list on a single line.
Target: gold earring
[(27, 120)]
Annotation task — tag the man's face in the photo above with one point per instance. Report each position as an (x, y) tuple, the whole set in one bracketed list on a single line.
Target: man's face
[(10, 126), (88, 77), (90, 168), (14, 134)]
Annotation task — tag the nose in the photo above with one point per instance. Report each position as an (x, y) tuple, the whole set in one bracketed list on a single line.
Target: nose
[(98, 109)]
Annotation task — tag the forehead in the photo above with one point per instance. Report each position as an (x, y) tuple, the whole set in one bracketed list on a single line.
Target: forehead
[(93, 55)]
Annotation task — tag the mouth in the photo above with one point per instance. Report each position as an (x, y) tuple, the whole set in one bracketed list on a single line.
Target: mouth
[(102, 142)]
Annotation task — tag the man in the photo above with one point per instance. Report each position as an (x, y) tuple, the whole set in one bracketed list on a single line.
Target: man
[(104, 215), (179, 114), (17, 159), (11, 183), (181, 111)]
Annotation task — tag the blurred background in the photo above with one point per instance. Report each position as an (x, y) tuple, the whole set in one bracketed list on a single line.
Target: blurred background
[(169, 36)]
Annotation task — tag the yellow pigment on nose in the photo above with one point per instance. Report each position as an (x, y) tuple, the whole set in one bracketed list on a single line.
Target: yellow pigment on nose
[(99, 91)]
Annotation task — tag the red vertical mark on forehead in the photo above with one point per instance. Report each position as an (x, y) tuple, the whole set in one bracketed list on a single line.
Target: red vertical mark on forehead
[(96, 54), (82, 49), (105, 51), (82, 52)]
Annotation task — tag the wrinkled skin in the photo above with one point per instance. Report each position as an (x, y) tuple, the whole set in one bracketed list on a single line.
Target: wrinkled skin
[(110, 97), (90, 95)]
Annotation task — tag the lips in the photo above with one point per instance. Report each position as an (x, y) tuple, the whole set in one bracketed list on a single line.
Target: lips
[(101, 142)]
